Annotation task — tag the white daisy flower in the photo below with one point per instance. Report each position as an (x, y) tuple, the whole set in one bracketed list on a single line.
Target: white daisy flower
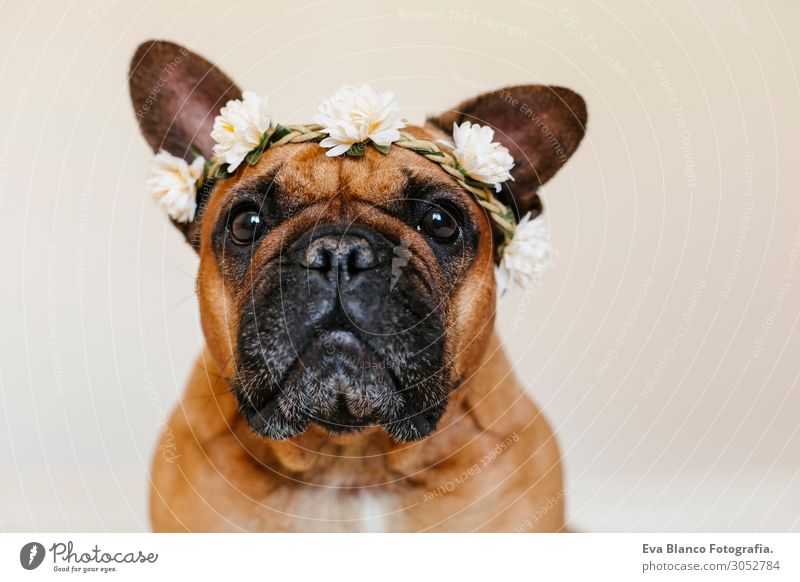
[(173, 184), (239, 127), (357, 114), (526, 256), (481, 158)]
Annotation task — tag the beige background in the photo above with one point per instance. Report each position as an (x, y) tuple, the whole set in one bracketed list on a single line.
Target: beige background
[(663, 346)]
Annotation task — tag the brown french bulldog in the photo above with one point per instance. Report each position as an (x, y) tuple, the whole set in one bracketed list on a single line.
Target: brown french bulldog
[(352, 379)]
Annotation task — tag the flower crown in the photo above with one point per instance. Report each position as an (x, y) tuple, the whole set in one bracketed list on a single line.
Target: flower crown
[(347, 123)]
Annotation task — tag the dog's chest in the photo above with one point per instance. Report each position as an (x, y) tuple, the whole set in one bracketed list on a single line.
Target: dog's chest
[(361, 510), (372, 511)]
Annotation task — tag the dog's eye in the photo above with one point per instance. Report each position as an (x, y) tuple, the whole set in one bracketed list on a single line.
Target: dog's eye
[(245, 225), (441, 222)]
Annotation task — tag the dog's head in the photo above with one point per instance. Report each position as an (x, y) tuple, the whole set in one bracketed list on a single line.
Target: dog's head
[(346, 291)]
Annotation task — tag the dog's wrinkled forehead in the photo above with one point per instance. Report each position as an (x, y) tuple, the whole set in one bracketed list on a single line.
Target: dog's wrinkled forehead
[(308, 176)]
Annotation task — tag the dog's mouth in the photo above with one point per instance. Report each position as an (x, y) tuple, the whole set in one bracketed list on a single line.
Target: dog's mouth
[(340, 383)]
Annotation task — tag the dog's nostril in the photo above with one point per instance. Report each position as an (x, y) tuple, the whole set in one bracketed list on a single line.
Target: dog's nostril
[(320, 254), (346, 253), (359, 255)]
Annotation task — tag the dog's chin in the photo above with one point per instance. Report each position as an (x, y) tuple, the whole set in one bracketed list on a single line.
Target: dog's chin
[(339, 384)]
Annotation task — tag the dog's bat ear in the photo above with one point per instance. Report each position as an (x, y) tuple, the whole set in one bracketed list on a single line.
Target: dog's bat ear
[(176, 95), (540, 125)]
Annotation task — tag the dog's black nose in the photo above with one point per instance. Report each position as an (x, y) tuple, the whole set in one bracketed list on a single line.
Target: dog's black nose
[(336, 255)]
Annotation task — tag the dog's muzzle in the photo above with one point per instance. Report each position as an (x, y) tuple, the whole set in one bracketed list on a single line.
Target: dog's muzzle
[(344, 331)]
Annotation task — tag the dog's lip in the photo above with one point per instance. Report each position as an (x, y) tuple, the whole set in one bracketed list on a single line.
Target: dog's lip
[(336, 340), (346, 339)]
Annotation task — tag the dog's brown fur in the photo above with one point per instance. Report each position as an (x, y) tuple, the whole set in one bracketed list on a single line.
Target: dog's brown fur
[(491, 465)]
